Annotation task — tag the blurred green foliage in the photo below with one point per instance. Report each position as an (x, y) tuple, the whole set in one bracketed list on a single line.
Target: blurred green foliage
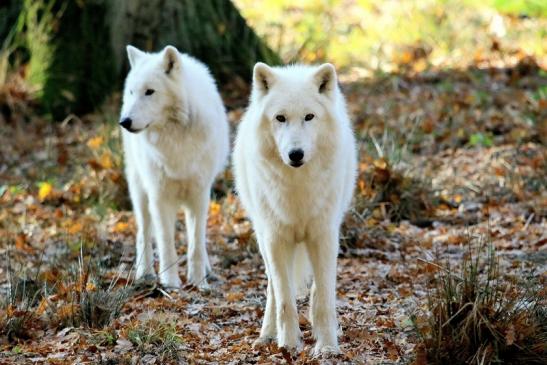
[(520, 7), (383, 35)]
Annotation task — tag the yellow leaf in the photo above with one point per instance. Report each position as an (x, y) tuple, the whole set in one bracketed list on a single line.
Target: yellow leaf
[(420, 65), (121, 227), (75, 228), (406, 57), (45, 191), (95, 142), (106, 161), (380, 163), (214, 207)]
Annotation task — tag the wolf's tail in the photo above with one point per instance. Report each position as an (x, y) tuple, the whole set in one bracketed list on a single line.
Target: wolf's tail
[(302, 271)]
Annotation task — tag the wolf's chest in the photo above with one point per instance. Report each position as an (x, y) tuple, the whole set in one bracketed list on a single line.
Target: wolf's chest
[(296, 200), (169, 153)]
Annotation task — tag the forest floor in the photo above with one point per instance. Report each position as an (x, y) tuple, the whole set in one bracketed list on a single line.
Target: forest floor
[(448, 157)]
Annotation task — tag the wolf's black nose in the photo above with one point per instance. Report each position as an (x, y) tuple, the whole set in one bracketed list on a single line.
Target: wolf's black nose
[(126, 123), (296, 155)]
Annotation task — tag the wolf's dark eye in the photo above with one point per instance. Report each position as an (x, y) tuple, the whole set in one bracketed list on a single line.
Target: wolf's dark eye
[(149, 92), (281, 118), (309, 117)]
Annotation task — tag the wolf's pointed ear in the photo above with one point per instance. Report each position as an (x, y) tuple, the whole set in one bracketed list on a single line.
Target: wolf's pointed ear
[(325, 79), (133, 54), (171, 59), (263, 77)]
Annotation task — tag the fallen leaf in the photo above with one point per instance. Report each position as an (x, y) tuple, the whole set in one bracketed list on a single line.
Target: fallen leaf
[(121, 227), (234, 297), (95, 142), (106, 161), (75, 227), (45, 191)]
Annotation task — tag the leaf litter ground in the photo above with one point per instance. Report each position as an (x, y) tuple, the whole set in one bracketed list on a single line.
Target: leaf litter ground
[(444, 154)]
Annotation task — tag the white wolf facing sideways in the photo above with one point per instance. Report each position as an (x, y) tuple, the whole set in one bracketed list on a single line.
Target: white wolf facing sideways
[(175, 140), (295, 166)]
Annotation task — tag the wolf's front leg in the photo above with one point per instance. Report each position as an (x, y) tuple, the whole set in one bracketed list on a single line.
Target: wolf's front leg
[(164, 214), (323, 250), (279, 254), (196, 225), (268, 332), (144, 260)]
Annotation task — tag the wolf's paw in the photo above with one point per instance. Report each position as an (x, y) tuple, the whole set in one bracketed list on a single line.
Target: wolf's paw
[(146, 279), (263, 340), (197, 276), (325, 350), (292, 351), (170, 282), (293, 347), (212, 276), (204, 287), (143, 271)]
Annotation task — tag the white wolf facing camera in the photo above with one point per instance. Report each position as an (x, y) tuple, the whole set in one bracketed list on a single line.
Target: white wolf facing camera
[(295, 166), (175, 141)]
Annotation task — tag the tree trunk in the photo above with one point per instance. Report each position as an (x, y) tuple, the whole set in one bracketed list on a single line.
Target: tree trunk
[(77, 48), (211, 30)]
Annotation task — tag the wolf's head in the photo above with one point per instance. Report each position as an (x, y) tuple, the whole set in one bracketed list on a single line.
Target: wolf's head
[(296, 104), (151, 88)]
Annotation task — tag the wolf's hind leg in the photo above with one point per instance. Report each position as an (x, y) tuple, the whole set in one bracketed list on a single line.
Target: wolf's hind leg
[(268, 332), (196, 225), (164, 214), (280, 255)]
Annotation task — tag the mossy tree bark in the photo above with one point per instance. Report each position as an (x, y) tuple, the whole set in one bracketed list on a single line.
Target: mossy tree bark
[(77, 48)]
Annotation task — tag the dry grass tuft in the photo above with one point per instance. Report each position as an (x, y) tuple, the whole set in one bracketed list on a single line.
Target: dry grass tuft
[(86, 301), (60, 296), (477, 315), (158, 337), (19, 317)]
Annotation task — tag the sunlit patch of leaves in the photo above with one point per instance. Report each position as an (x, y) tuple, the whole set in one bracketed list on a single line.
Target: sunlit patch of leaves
[(477, 315)]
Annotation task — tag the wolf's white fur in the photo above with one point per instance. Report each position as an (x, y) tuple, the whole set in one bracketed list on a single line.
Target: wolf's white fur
[(297, 210), (178, 144)]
